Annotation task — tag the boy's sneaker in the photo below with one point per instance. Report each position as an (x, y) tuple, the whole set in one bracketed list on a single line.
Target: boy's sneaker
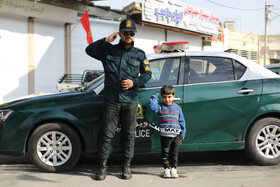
[(174, 173), (166, 173)]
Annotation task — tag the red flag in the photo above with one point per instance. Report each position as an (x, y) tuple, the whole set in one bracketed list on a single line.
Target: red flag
[(85, 22)]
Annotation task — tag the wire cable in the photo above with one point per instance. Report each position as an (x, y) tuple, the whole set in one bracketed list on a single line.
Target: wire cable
[(275, 7), (256, 28), (274, 30), (243, 9)]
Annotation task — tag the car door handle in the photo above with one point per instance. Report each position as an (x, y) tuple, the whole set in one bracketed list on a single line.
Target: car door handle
[(176, 99), (245, 91)]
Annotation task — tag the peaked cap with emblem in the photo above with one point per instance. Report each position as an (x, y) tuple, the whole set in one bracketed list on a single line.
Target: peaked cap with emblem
[(127, 25)]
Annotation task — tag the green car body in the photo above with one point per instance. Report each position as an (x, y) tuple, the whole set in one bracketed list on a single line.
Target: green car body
[(220, 114)]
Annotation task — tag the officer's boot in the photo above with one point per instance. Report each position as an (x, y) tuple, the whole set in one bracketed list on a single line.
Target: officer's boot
[(102, 171), (126, 173)]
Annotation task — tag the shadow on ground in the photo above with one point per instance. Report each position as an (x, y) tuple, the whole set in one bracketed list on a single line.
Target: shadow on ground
[(189, 158)]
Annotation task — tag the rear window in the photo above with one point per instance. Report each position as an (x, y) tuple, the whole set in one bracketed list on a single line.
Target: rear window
[(210, 69), (239, 69)]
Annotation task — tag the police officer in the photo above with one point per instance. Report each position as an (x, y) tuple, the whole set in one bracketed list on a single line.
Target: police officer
[(126, 68)]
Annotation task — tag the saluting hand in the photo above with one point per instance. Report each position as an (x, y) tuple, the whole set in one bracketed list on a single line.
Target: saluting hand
[(126, 84), (112, 37)]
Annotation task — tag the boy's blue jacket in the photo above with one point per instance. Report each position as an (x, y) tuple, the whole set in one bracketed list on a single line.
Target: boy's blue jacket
[(171, 118)]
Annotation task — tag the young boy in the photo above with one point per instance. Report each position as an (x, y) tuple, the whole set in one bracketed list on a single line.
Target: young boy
[(172, 128)]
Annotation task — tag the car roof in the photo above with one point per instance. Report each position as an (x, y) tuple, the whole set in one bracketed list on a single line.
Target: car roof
[(195, 53), (254, 67)]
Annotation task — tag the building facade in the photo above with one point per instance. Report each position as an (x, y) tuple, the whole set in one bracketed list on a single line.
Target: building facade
[(251, 46), (32, 45), (42, 40)]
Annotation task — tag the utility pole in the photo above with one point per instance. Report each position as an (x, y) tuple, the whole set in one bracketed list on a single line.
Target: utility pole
[(265, 32), (266, 19)]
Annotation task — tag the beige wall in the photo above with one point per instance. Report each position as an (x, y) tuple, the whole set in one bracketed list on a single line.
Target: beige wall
[(273, 42), (243, 41), (244, 44), (248, 44)]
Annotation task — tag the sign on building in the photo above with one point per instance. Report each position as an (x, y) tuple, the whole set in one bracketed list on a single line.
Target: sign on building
[(177, 14), (264, 49), (38, 10)]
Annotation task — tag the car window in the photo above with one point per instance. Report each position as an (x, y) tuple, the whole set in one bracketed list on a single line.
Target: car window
[(239, 69), (274, 70), (164, 71), (210, 69)]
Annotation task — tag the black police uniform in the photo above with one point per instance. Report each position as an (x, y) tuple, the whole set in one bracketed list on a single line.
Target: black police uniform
[(120, 64), (120, 105)]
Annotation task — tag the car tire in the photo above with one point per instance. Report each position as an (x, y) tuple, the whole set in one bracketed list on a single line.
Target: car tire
[(54, 147), (263, 141)]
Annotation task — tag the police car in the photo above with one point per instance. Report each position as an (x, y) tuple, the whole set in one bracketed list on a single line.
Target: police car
[(229, 103)]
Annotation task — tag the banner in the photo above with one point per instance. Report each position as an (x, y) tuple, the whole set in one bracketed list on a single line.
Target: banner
[(85, 22), (177, 14)]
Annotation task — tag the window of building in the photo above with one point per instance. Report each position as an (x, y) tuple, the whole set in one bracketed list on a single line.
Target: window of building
[(244, 54), (253, 55)]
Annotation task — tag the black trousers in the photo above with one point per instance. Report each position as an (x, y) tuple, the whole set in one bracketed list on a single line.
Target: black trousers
[(113, 114), (169, 151)]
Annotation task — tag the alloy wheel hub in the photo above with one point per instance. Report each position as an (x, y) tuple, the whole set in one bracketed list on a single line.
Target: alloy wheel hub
[(54, 148), (268, 141)]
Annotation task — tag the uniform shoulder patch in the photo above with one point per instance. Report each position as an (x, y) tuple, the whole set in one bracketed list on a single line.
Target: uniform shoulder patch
[(146, 62), (147, 68)]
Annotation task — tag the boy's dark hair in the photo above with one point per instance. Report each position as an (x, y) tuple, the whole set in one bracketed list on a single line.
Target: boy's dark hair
[(167, 89)]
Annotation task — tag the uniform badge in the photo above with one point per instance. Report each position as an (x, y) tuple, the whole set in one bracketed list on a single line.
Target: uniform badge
[(139, 111), (128, 23), (146, 62)]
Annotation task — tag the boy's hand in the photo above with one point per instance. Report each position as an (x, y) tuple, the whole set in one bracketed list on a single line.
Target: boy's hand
[(182, 138)]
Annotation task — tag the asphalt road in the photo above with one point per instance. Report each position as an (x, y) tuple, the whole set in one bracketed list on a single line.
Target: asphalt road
[(217, 169)]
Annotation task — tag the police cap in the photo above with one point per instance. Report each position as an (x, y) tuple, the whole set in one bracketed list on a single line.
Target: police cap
[(127, 25)]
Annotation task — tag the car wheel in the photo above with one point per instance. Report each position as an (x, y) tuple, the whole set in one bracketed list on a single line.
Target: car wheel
[(263, 141), (54, 147)]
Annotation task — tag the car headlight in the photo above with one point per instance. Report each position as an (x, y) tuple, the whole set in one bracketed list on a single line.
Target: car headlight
[(4, 114)]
